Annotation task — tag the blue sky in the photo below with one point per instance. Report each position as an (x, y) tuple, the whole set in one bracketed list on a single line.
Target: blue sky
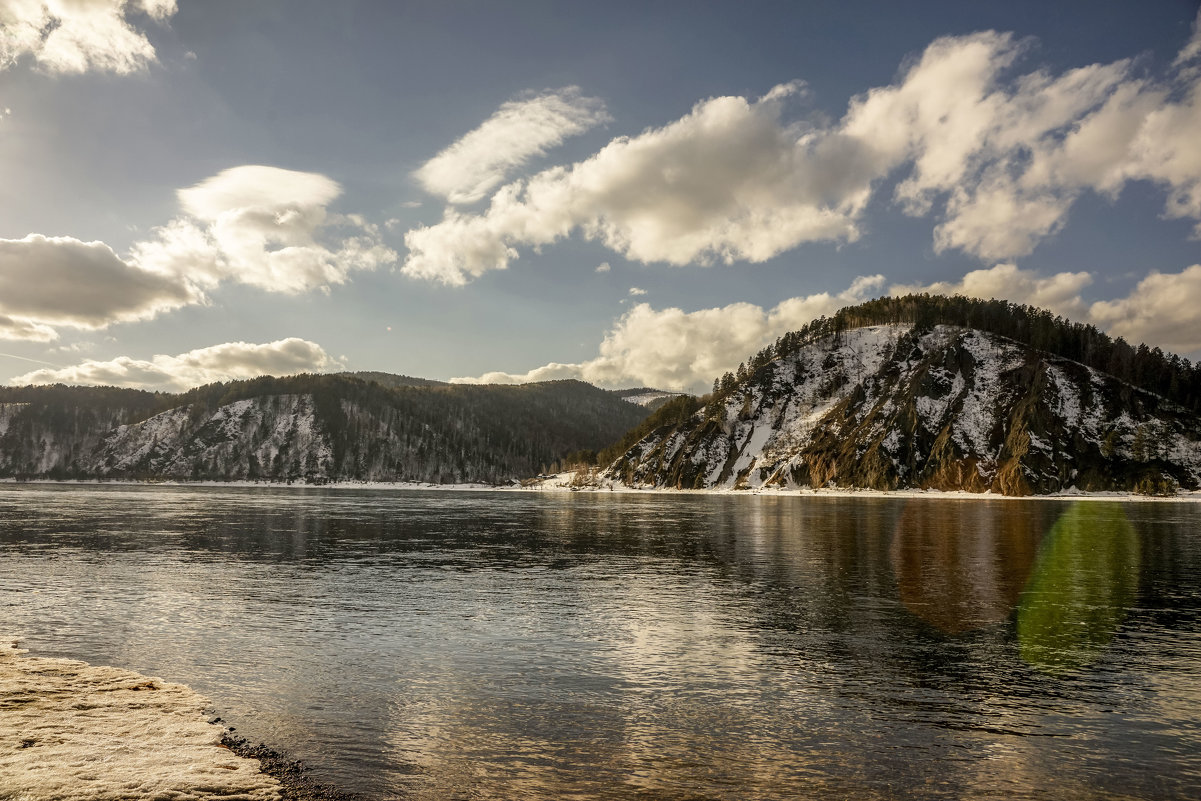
[(627, 193)]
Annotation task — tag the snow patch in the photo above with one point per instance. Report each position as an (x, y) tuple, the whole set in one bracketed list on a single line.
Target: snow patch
[(647, 398), (7, 412), (74, 730)]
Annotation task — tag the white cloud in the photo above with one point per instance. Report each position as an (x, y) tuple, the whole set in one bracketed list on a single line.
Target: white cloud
[(1011, 157), (75, 36), (636, 291), (260, 226), (603, 267), (225, 362), (997, 158), (519, 130), (678, 350), (50, 281), (1161, 310), (23, 329), (1059, 293), (729, 181)]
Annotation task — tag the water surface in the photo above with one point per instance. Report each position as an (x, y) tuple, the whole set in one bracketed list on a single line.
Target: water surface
[(438, 645)]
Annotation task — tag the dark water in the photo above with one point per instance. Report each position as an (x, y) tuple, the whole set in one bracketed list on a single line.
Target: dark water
[(491, 645)]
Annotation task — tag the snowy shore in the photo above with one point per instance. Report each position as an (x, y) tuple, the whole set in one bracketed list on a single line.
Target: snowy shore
[(570, 482), (70, 730)]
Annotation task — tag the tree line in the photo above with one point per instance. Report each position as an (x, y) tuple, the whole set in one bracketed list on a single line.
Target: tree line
[(1166, 374)]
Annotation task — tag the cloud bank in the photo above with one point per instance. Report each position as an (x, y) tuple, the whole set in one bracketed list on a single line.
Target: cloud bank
[(996, 156), (678, 350), (55, 281), (674, 349), (77, 36), (225, 362)]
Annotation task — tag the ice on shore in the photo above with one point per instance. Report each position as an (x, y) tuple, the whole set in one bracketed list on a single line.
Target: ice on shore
[(70, 730)]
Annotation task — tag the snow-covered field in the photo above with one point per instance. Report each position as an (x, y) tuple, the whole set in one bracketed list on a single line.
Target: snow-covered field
[(70, 730)]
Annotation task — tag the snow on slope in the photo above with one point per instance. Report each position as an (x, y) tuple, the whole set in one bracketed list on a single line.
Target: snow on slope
[(239, 438), (7, 412), (951, 408), (75, 731), (648, 398)]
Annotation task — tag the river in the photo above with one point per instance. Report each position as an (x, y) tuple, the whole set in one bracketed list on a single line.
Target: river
[(441, 645)]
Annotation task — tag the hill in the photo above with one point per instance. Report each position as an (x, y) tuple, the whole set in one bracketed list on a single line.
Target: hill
[(933, 393), (313, 428)]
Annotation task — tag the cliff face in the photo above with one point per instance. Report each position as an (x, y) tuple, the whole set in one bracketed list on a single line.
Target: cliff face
[(341, 428), (890, 407)]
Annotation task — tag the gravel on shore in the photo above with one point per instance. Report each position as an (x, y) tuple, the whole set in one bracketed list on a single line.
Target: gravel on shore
[(295, 781)]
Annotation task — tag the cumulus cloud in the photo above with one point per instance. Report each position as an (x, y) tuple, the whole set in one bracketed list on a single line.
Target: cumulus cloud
[(225, 362), (995, 156), (678, 350), (260, 225), (729, 181), (1161, 310), (49, 281), (519, 130), (75, 36), (603, 267), (1011, 156)]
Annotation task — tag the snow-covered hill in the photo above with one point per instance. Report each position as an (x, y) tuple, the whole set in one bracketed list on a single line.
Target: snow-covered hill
[(890, 406), (307, 428)]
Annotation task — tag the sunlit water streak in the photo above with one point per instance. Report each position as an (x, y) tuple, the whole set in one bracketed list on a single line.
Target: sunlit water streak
[(488, 645)]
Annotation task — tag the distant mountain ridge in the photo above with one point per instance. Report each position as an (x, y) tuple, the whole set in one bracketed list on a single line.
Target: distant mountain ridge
[(908, 393), (313, 428)]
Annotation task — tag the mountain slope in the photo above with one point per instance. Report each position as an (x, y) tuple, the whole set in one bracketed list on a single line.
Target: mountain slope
[(903, 405), (306, 428)]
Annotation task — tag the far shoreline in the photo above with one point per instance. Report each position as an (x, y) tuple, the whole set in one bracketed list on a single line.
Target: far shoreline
[(563, 483)]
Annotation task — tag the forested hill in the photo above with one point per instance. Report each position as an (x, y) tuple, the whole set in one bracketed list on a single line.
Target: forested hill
[(932, 393), (312, 428), (1169, 375)]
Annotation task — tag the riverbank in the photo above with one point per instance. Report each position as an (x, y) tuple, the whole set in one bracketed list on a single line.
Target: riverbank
[(574, 482), (71, 730)]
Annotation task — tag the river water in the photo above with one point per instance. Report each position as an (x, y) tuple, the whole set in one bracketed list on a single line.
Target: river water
[(442, 645)]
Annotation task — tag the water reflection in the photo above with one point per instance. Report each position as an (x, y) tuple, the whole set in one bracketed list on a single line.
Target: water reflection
[(961, 566), (1085, 582)]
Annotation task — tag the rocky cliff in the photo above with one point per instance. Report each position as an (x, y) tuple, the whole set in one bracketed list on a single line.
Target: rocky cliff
[(935, 407)]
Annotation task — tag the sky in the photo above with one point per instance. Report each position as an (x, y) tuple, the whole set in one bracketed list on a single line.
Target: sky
[(631, 194)]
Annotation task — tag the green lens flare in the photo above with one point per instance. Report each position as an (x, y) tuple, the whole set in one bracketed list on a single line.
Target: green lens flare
[(1084, 582)]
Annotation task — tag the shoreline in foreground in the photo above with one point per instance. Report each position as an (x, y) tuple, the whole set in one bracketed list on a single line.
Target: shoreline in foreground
[(99, 732), (566, 482)]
